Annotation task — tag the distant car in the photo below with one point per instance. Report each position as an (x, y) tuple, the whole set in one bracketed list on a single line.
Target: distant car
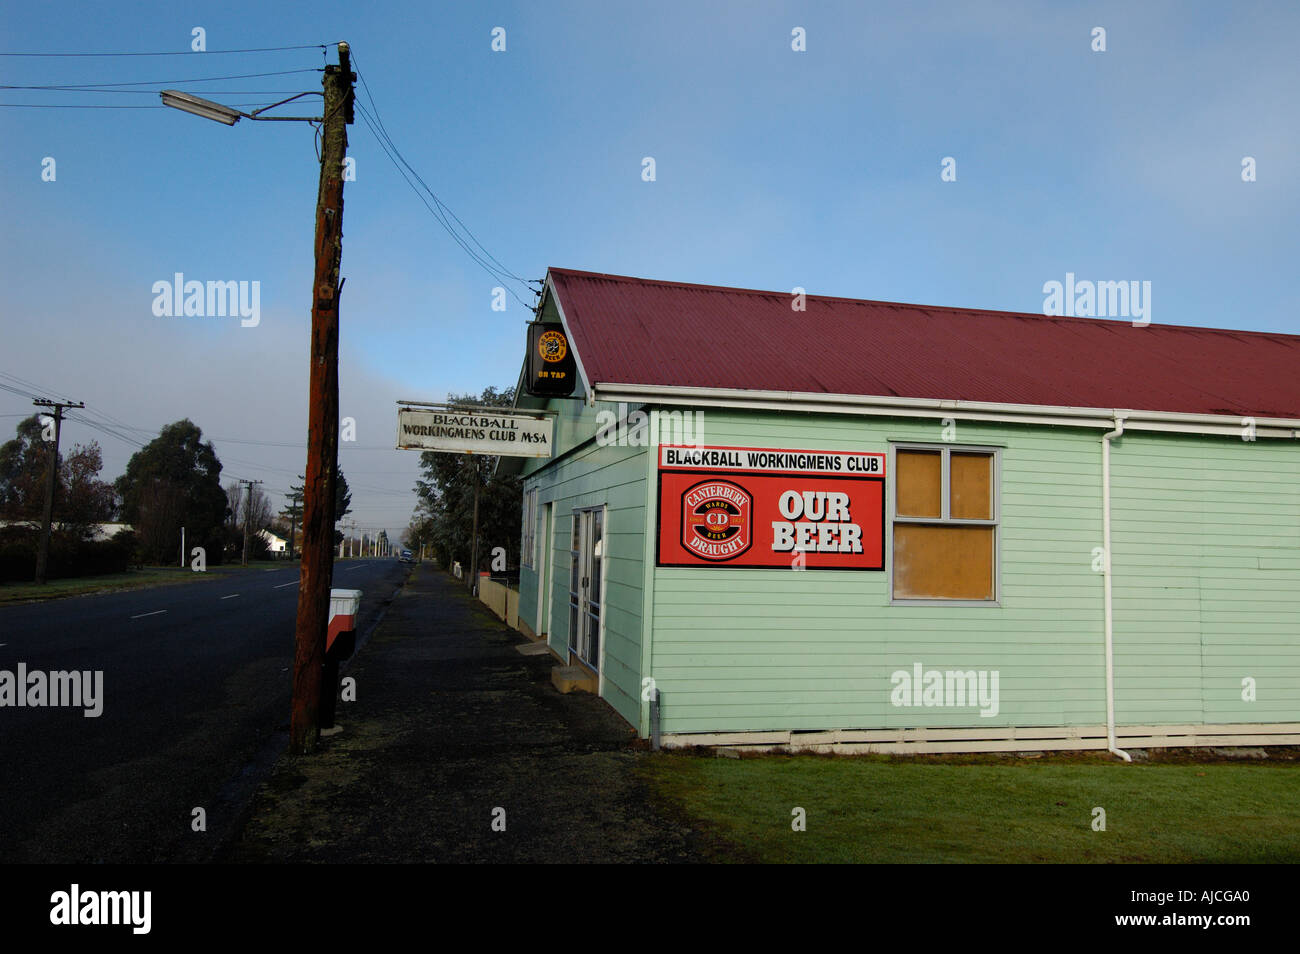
[(406, 557)]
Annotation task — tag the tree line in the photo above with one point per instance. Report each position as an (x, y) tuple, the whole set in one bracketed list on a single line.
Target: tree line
[(174, 481)]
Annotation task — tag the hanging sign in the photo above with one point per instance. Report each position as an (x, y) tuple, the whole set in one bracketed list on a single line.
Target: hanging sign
[(486, 432), (771, 508), (552, 370)]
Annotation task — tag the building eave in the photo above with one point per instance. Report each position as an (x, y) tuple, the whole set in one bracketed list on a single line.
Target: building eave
[(820, 403)]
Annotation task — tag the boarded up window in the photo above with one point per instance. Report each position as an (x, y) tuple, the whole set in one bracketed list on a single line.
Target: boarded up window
[(970, 482), (920, 482), (933, 561), (938, 552)]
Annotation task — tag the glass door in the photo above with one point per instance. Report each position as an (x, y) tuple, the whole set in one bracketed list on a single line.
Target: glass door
[(586, 570), (545, 558)]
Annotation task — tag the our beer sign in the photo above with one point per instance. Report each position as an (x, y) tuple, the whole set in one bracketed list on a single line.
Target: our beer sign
[(770, 508)]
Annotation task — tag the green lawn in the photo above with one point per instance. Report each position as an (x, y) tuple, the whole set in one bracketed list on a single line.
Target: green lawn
[(985, 809)]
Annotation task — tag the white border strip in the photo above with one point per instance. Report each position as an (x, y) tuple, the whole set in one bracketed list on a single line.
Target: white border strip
[(1173, 421), (922, 741)]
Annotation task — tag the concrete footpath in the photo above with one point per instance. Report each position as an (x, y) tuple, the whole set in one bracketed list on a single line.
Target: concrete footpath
[(452, 725)]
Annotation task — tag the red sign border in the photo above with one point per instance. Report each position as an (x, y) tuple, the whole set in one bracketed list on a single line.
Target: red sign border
[(730, 475)]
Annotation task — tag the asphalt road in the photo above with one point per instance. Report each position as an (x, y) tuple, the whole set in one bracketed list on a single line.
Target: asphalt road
[(196, 682)]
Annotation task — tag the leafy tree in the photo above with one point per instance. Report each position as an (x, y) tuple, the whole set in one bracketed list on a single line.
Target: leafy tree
[(293, 510), (81, 500), (444, 517), (342, 498), (174, 482), (24, 472), (419, 532), (342, 504)]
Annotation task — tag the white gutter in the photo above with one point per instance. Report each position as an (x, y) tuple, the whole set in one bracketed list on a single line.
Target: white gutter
[(820, 403), (1105, 542)]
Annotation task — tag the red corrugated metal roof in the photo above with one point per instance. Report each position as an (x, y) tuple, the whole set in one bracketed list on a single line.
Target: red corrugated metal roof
[(638, 331)]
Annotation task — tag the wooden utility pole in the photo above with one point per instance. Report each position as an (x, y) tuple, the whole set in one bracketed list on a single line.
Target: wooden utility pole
[(323, 415), (47, 519), (248, 515), (473, 547)]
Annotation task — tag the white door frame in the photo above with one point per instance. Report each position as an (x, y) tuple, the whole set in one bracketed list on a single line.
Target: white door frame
[(582, 517), (545, 572)]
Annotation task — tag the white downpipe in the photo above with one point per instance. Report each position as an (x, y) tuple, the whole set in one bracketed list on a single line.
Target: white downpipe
[(1105, 542)]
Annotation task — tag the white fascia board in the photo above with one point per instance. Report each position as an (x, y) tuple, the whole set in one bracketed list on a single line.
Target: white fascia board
[(588, 390), (815, 403)]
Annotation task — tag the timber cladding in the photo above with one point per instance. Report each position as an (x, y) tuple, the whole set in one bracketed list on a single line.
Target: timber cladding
[(930, 555)]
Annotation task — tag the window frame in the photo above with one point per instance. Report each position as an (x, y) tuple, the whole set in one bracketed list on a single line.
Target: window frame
[(945, 504)]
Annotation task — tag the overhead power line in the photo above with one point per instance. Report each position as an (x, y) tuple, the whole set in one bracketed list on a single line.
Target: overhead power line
[(394, 157), (374, 109), (260, 49), (98, 105), (487, 261), (162, 82), (110, 426), (154, 92)]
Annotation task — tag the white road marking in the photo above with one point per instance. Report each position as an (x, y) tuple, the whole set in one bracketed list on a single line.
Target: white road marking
[(143, 615), (283, 585), (230, 597)]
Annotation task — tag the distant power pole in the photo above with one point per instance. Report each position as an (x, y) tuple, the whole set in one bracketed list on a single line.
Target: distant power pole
[(248, 514), (295, 507), (43, 554)]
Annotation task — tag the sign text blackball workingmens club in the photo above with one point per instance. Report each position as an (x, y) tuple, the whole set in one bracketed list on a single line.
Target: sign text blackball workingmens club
[(504, 434), (772, 508)]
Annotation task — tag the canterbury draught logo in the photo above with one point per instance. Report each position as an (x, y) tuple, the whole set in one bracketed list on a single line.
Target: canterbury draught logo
[(552, 346), (717, 520)]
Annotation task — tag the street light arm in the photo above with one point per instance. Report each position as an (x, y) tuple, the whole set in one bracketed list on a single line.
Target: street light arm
[(256, 114)]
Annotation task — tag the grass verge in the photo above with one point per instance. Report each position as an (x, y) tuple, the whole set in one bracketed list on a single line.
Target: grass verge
[(986, 809), (130, 580)]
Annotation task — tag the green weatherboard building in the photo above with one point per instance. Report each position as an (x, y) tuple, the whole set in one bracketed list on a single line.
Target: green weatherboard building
[(818, 522)]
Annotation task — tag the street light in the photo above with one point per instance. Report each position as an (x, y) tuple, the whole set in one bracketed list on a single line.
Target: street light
[(317, 564), (188, 102), (200, 107)]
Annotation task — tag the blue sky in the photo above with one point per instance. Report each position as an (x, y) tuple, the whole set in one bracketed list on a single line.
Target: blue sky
[(774, 169)]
